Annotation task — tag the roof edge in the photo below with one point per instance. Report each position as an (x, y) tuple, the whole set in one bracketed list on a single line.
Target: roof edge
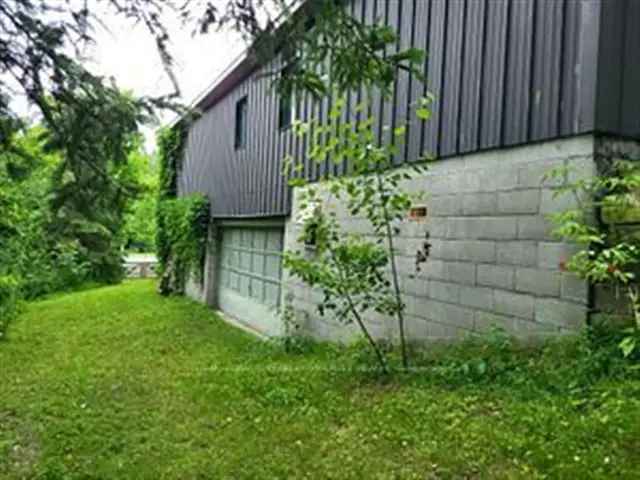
[(238, 70)]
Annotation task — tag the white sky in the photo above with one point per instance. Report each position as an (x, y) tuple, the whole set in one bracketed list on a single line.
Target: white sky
[(128, 53)]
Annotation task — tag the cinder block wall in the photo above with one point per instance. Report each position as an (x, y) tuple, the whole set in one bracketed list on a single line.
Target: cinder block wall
[(493, 260)]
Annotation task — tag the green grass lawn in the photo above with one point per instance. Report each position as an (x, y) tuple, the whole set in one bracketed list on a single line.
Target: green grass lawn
[(118, 382)]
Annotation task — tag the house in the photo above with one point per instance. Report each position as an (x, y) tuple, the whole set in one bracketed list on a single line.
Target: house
[(521, 86)]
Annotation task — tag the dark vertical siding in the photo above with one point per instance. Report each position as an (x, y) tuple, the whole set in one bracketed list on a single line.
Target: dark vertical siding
[(406, 22), (518, 80), (545, 92), (503, 72), (417, 88), (354, 98), (378, 15), (437, 41), (494, 73), (308, 113), (312, 167), (611, 71), (270, 139), (246, 169), (279, 151), (472, 63), (323, 117), (630, 115), (389, 104), (289, 145), (618, 97), (261, 132), (569, 99), (588, 50), (452, 78), (254, 111)]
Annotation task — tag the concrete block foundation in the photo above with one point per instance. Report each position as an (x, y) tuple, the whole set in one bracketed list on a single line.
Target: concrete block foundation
[(493, 258), (494, 261)]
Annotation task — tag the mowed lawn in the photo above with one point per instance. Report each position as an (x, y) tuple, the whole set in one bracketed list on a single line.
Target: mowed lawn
[(120, 383)]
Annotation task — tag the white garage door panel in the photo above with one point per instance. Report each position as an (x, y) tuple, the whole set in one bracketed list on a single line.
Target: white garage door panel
[(250, 270)]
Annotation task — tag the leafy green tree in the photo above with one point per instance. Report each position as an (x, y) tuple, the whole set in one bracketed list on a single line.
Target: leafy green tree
[(140, 218), (94, 181), (355, 274), (41, 43), (603, 224), (30, 252), (92, 125)]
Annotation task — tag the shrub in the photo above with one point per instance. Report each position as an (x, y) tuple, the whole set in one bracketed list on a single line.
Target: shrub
[(564, 365), (604, 224), (8, 302), (61, 267)]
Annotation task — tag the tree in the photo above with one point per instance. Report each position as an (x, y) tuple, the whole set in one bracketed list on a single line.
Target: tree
[(41, 43), (92, 124), (31, 253), (94, 181), (140, 220), (87, 122), (356, 274)]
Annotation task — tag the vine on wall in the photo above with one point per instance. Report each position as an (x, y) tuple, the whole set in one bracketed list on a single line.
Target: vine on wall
[(182, 222)]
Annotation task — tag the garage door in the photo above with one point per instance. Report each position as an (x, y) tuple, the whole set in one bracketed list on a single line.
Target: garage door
[(249, 274)]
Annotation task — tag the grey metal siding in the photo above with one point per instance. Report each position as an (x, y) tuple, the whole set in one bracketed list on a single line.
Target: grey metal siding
[(569, 99), (472, 64), (494, 73), (618, 80), (630, 112), (503, 72), (518, 81), (545, 86), (450, 89), (417, 88), (437, 40)]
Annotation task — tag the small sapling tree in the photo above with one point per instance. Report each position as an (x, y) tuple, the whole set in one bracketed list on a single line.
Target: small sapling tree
[(356, 274)]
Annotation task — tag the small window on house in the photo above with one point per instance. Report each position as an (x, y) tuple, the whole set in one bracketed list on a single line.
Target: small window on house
[(286, 107), (241, 123), (285, 112)]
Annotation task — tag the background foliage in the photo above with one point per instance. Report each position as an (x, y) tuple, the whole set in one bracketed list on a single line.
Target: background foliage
[(34, 260), (8, 301), (94, 182), (140, 218), (182, 222), (61, 223)]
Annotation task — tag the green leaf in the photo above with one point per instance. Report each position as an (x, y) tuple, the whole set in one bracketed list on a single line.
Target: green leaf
[(628, 345), (297, 182), (423, 113)]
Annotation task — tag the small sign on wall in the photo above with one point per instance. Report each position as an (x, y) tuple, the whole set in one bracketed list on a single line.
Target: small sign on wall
[(417, 213)]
